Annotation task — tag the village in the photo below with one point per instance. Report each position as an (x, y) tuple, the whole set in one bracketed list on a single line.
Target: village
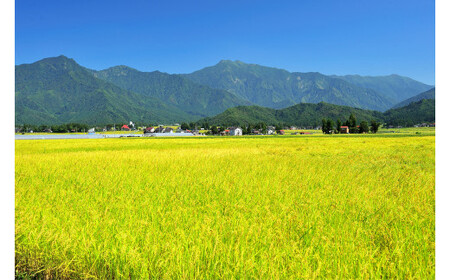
[(193, 130)]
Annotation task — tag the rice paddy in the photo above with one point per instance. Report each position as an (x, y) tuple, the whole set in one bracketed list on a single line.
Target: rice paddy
[(292, 207)]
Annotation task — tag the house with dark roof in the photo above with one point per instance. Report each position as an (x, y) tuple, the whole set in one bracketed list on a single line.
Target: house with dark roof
[(159, 129)]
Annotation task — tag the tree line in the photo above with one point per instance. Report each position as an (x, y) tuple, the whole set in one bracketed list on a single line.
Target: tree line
[(328, 126)]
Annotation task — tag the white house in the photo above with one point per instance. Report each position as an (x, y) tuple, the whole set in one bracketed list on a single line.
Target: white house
[(235, 131)]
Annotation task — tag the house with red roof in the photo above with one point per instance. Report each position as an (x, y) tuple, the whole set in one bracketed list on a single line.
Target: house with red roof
[(344, 129), (125, 127)]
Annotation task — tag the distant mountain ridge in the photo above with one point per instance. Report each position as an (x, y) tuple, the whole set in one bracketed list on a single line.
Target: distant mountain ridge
[(190, 97), (394, 87), (429, 94), (58, 90), (278, 88)]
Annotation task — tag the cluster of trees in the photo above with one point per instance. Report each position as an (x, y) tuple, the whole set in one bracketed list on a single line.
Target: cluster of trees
[(194, 126), (69, 127), (329, 127)]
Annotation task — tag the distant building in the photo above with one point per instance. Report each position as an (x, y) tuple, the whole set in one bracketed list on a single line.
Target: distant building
[(235, 131), (125, 127), (344, 129), (91, 131), (281, 132), (270, 131), (168, 130), (149, 130), (256, 132), (159, 129)]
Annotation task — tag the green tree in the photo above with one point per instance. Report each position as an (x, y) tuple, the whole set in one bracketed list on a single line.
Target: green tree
[(363, 127), (352, 124), (214, 130), (185, 126), (338, 126), (249, 129), (263, 128), (278, 128), (374, 125), (330, 126), (324, 125)]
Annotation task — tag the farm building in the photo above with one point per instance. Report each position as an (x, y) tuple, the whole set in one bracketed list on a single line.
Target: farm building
[(168, 130), (159, 129), (235, 131), (344, 129), (125, 127), (149, 130), (256, 132), (281, 132)]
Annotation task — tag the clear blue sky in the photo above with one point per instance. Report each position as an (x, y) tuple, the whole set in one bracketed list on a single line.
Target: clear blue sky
[(376, 37)]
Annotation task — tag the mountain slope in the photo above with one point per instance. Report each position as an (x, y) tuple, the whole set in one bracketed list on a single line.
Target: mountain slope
[(393, 87), (303, 114), (429, 94), (414, 113), (188, 96), (277, 88), (58, 90)]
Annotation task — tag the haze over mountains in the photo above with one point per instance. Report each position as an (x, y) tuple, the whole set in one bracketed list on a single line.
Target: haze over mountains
[(429, 94), (58, 90)]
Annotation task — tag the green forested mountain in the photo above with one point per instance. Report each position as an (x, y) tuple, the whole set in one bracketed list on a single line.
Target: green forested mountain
[(393, 87), (429, 94), (303, 114), (277, 88), (190, 97), (414, 113), (58, 90)]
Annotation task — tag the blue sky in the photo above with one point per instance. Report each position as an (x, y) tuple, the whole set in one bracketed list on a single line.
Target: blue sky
[(332, 37)]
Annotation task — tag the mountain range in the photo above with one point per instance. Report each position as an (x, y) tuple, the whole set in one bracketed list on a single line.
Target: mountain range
[(59, 90), (278, 88)]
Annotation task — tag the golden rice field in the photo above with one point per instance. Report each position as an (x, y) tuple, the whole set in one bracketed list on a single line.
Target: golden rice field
[(299, 207)]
